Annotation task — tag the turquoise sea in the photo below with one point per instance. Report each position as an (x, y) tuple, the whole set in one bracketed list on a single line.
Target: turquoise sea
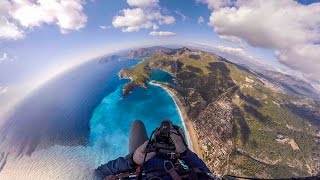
[(88, 107), (110, 123)]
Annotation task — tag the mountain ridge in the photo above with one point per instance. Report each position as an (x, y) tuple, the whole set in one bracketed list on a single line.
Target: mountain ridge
[(238, 115)]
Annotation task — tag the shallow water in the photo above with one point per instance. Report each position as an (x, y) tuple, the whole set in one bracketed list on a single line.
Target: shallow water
[(108, 128), (161, 76), (110, 123)]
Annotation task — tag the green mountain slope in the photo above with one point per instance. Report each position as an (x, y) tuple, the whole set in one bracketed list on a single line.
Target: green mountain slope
[(246, 125)]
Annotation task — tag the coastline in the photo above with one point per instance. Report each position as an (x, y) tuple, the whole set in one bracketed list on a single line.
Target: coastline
[(187, 123)]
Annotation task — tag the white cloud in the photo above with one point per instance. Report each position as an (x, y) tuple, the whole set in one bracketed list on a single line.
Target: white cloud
[(215, 4), (238, 52), (142, 17), (19, 15), (3, 90), (166, 19), (289, 28), (234, 39), (143, 3), (131, 20), (104, 27), (9, 30), (4, 57), (200, 20), (235, 54), (183, 17), (162, 33), (233, 51)]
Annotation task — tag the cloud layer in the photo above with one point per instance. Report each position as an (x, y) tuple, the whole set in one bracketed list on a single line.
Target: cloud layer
[(215, 4), (6, 57), (183, 17), (289, 28), (3, 57), (200, 20), (143, 3), (235, 51), (18, 16), (3, 90), (103, 27), (9, 30), (162, 33), (146, 14)]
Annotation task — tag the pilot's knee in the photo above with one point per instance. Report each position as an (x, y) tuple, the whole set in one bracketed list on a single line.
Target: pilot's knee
[(137, 123)]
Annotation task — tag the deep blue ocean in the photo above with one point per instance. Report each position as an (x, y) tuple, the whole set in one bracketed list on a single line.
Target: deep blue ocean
[(79, 121), (110, 122)]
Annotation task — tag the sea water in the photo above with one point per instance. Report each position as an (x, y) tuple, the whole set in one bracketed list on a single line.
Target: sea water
[(109, 126), (110, 123)]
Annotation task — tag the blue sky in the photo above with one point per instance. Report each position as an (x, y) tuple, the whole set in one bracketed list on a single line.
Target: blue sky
[(36, 43), (45, 46)]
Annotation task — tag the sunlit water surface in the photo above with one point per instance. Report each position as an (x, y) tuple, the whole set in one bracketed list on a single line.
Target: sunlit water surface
[(107, 129)]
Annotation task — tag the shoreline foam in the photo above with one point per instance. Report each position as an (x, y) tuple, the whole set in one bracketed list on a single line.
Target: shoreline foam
[(186, 122)]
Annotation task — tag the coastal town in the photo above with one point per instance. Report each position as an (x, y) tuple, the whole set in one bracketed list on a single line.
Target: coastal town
[(227, 116)]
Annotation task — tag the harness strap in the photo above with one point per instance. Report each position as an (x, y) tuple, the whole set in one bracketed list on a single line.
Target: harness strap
[(138, 169), (190, 173), (169, 167), (173, 173), (124, 175), (195, 172)]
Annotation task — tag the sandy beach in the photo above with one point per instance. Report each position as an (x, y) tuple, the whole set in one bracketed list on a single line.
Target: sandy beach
[(189, 125)]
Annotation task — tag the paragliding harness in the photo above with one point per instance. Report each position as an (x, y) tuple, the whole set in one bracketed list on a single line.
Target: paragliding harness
[(165, 149), (173, 165)]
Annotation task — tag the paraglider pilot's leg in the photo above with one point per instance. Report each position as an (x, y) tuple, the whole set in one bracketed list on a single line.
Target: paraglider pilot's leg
[(138, 135)]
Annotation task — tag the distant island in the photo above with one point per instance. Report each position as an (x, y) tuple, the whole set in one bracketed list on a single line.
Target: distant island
[(240, 121)]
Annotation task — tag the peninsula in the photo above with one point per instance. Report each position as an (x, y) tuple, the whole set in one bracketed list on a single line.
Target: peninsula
[(235, 116)]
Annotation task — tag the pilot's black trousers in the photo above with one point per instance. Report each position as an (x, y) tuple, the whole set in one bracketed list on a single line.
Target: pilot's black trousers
[(138, 135)]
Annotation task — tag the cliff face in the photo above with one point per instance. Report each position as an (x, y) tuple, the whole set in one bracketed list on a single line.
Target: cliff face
[(239, 116)]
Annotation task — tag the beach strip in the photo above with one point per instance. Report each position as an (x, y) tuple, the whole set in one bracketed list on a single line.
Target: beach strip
[(189, 125)]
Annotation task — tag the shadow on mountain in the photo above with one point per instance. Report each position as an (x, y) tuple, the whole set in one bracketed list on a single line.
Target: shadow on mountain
[(277, 171), (243, 68), (194, 56), (220, 67), (216, 82), (175, 66), (311, 115), (186, 76), (201, 89), (255, 113), (249, 99), (194, 69), (244, 128)]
